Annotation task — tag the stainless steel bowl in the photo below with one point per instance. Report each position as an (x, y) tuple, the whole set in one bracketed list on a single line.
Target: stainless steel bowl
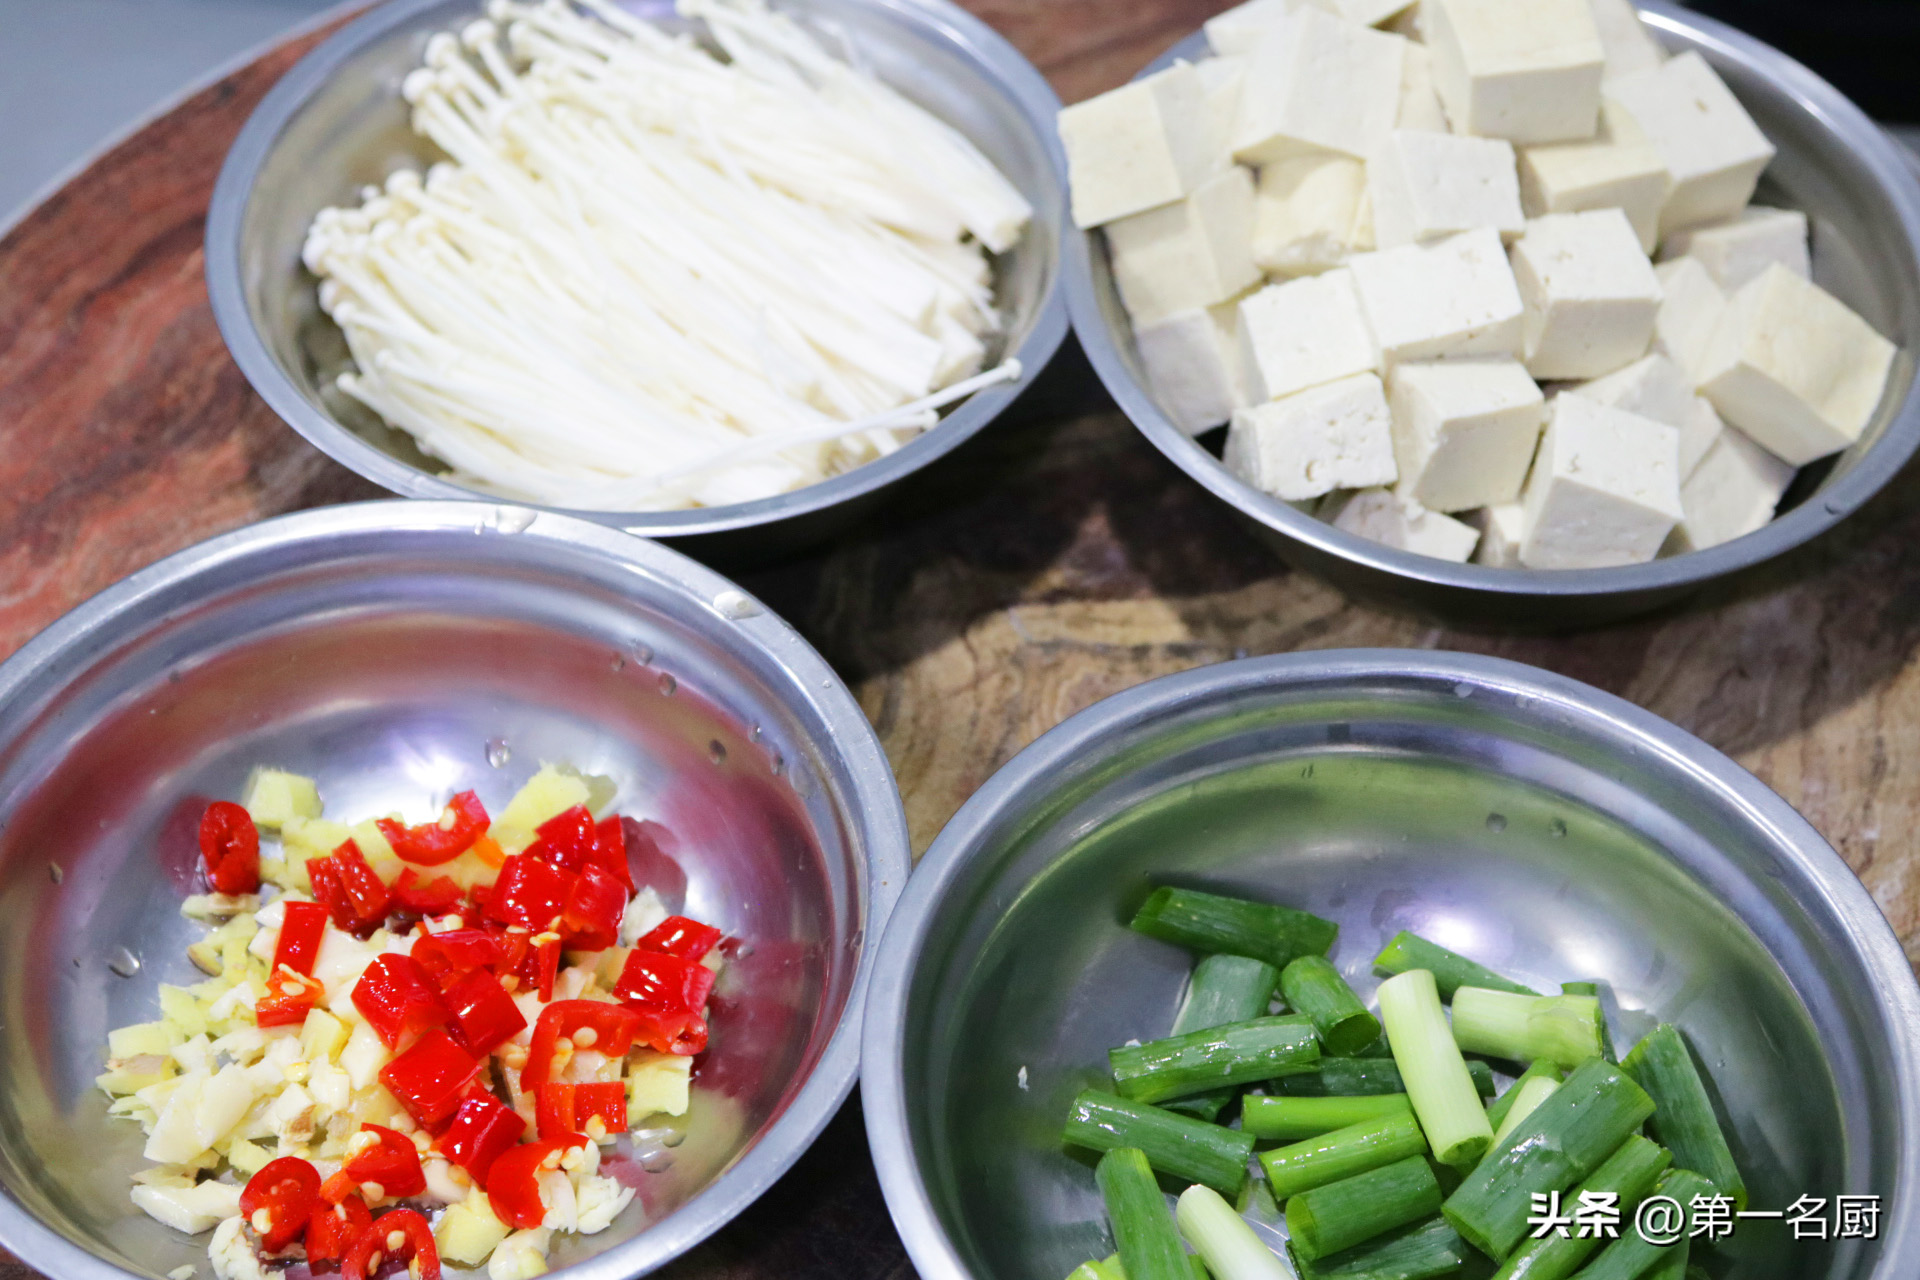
[(1859, 189), (336, 122), (398, 650), (1545, 828)]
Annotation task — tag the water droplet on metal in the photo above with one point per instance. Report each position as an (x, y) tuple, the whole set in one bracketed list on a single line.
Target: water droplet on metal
[(673, 1138), (1496, 822), (508, 520), (736, 605), (643, 654), (498, 752), (55, 874), (657, 1161), (756, 734), (1557, 828), (1463, 690), (717, 751), (668, 684), (779, 764), (619, 662), (123, 963)]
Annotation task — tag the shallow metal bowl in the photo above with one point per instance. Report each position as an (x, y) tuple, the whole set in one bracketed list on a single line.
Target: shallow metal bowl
[(1860, 191), (400, 652), (336, 122), (1541, 826)]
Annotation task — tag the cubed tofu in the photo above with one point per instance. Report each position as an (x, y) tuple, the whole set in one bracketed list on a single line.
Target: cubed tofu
[(1501, 529), (1221, 79), (1590, 294), (1303, 333), (1464, 431), (1653, 387), (1192, 253), (1315, 83), (1616, 169), (1451, 297), (1428, 185), (1192, 360), (1710, 144), (1394, 520), (1733, 492), (1737, 250), (1419, 100), (1629, 46), (1307, 214), (1238, 29), (1699, 433), (1368, 13), (1523, 70), (1793, 367), (1605, 488), (1336, 436), (1137, 147), (1691, 305)]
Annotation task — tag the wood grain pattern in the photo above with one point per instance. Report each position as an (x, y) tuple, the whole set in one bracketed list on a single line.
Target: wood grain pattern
[(1054, 561)]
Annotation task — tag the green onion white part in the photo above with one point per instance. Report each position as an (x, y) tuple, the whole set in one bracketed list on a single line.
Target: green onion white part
[(1442, 1092), (1223, 1239), (1500, 1024)]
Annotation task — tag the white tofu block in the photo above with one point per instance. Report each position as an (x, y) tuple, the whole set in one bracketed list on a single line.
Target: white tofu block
[(1238, 29), (1136, 147), (1192, 360), (1712, 147), (1590, 293), (1629, 46), (1335, 436), (1654, 387), (1464, 431), (1193, 253), (1737, 250), (1617, 169), (1733, 492), (1307, 214), (1419, 100), (1793, 367), (1316, 83), (1500, 529), (1220, 79), (1690, 308), (1394, 520), (1303, 333), (1699, 433), (1605, 489), (1523, 70), (1428, 185), (1452, 297), (1368, 13)]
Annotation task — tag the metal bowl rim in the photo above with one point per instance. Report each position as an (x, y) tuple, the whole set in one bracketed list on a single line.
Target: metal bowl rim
[(1885, 159), (1083, 736), (875, 813), (996, 58)]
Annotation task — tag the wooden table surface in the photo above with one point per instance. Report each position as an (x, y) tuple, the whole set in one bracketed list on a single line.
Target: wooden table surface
[(1054, 561)]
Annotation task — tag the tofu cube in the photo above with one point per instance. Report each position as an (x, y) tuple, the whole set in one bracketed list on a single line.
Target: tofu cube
[(1523, 70), (1220, 80), (1737, 250), (1711, 146), (1316, 83), (1192, 360), (1452, 297), (1653, 387), (1192, 253), (1617, 169), (1590, 293), (1699, 433), (1419, 100), (1336, 436), (1605, 489), (1733, 492), (1368, 13), (1690, 308), (1464, 431), (1307, 214), (1238, 29), (1500, 533), (1303, 333), (1137, 147), (1427, 185), (1395, 520), (1629, 46), (1793, 367)]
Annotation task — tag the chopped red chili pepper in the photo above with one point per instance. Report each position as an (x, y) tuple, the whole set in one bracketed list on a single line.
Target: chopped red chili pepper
[(463, 821), (513, 1184), (680, 936), (611, 836), (569, 840), (377, 1246), (452, 955), (230, 844), (300, 936), (398, 999), (290, 998), (415, 894), (668, 994), (365, 890), (330, 893), (546, 962), (334, 1227), (484, 1015), (530, 893), (337, 1187), (481, 1129), (564, 1109), (392, 1162), (588, 1024), (553, 1108), (430, 1078), (288, 1190), (594, 907)]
